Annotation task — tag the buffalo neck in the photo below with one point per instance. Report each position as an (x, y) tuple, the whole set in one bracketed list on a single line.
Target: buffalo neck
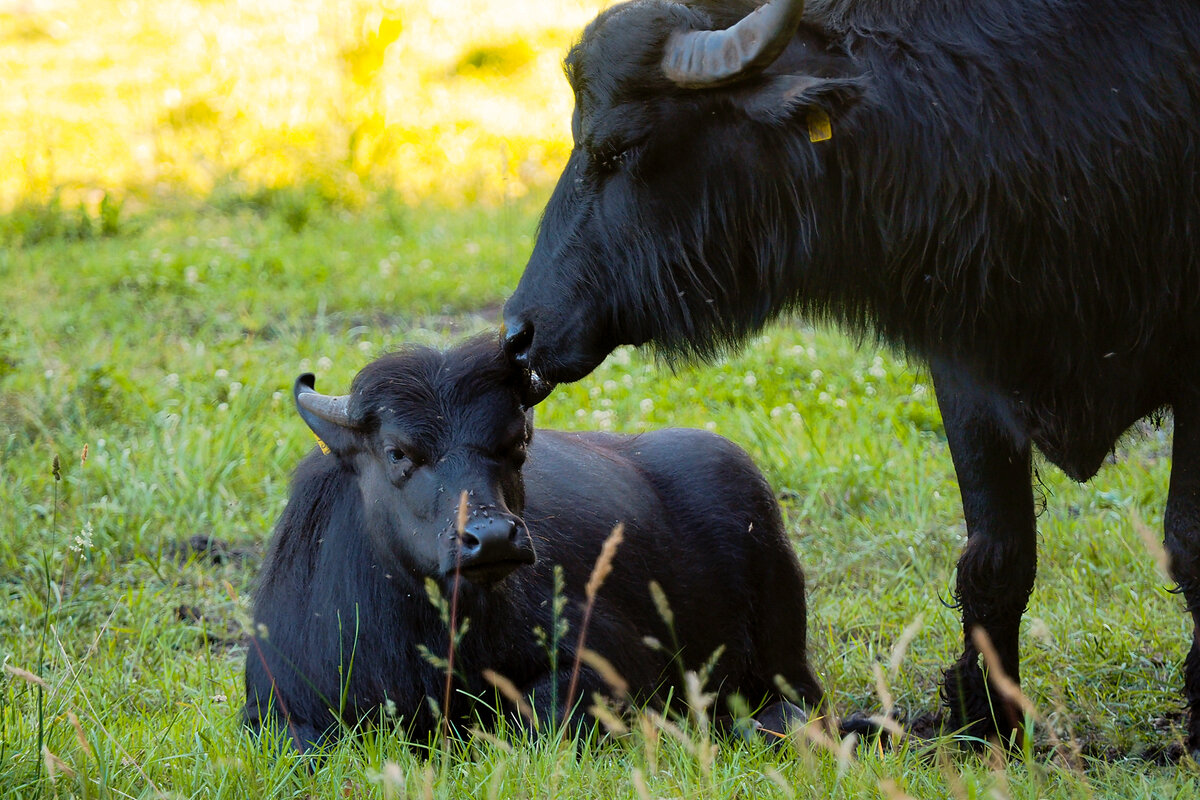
[(975, 194)]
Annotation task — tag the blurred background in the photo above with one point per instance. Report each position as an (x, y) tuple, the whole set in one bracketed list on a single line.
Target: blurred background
[(130, 102)]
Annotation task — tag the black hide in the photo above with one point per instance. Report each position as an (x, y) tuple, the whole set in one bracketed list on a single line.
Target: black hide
[(341, 608), (1011, 193)]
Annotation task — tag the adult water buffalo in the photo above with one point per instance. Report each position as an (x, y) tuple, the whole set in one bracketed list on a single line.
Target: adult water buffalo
[(343, 622), (1006, 189)]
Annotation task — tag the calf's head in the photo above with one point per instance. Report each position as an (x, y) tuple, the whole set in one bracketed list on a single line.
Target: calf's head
[(435, 442)]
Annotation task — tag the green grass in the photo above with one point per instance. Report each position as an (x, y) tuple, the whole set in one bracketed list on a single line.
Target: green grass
[(205, 199), (169, 352)]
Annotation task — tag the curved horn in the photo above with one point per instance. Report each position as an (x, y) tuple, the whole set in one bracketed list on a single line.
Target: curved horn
[(698, 59), (329, 408)]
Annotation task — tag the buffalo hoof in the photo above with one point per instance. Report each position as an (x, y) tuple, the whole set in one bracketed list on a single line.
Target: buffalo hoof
[(880, 730), (978, 714), (776, 722)]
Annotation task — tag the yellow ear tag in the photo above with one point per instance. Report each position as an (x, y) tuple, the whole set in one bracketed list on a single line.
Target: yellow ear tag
[(819, 127), (324, 447)]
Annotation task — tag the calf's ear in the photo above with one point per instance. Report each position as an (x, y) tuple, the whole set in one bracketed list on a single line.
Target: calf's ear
[(327, 416), (780, 98)]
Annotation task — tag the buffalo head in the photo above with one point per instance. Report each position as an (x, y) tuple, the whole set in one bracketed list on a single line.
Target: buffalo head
[(420, 433), (690, 188)]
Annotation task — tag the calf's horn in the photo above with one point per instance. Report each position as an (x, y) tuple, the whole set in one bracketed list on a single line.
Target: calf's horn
[(698, 59), (329, 408)]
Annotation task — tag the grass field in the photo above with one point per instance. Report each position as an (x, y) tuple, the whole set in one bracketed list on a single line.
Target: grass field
[(202, 199)]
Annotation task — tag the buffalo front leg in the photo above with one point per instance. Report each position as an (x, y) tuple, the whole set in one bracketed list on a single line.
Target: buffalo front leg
[(997, 567), (1181, 524)]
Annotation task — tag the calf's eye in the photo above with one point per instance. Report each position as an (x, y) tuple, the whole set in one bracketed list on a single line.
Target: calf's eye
[(398, 462)]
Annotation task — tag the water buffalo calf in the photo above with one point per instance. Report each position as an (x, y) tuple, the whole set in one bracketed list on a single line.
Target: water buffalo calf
[(344, 626)]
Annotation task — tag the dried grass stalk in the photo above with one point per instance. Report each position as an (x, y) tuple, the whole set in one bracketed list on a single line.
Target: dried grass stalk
[(511, 693), (25, 675), (607, 672), (600, 572)]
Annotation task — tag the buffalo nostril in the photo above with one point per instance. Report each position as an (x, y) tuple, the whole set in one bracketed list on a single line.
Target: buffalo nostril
[(517, 336), (494, 538), (468, 541)]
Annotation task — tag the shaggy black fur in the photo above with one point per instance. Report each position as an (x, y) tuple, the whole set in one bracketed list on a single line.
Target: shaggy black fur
[(1011, 193), (341, 608)]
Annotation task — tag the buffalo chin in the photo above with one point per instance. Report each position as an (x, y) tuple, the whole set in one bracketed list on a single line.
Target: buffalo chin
[(492, 572), (565, 368)]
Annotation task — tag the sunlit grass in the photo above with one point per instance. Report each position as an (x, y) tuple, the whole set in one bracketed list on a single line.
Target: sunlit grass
[(462, 100), (209, 197), (170, 352)]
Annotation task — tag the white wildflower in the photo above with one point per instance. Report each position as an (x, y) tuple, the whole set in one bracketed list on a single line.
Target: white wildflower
[(83, 540)]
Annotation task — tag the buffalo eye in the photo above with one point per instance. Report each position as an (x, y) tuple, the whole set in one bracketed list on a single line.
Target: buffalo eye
[(398, 462), (609, 159)]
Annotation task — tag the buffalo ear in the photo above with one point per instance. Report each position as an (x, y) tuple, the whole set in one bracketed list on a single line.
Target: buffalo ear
[(328, 417), (780, 98)]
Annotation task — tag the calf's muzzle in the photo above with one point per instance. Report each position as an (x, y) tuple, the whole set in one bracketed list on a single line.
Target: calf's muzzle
[(492, 545)]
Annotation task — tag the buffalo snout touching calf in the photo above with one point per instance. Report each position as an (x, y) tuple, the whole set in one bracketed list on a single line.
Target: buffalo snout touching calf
[(429, 471)]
